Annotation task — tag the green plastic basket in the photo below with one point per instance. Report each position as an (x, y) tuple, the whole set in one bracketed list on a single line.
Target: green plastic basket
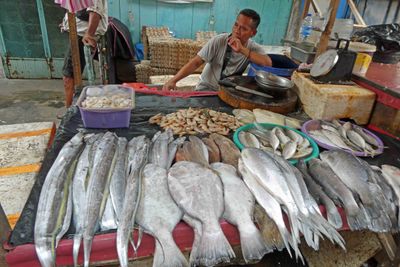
[(269, 126)]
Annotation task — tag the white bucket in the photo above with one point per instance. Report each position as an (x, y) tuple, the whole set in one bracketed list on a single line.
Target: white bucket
[(365, 53)]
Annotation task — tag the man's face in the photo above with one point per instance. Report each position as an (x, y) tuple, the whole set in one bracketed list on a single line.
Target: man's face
[(243, 28)]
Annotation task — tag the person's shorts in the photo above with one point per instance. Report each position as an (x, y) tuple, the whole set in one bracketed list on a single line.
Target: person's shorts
[(67, 69)]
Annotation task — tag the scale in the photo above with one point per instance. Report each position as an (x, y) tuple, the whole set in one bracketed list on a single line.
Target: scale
[(334, 65)]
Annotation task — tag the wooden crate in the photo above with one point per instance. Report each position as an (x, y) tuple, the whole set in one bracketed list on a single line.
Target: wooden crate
[(331, 101)]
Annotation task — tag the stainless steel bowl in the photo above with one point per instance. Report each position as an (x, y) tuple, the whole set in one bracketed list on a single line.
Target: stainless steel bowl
[(265, 79)]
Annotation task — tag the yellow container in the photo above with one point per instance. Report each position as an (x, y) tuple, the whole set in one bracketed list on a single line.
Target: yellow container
[(365, 53)]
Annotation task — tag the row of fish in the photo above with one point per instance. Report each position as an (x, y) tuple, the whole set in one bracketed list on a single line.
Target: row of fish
[(346, 136), (369, 195), (283, 142)]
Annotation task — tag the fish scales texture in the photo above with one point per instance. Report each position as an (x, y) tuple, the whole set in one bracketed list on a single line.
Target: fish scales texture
[(270, 205), (317, 192), (229, 152), (213, 150), (52, 201), (239, 209), (199, 192), (158, 215), (118, 178), (97, 192), (272, 178), (356, 177), (337, 190), (138, 149)]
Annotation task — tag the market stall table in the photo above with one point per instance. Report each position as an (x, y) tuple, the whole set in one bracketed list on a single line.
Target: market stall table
[(22, 252)]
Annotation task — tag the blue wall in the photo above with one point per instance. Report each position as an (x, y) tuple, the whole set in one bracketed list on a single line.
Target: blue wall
[(186, 19)]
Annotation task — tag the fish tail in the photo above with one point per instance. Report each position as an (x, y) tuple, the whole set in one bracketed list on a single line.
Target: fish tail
[(295, 226), (75, 249), (214, 248), (122, 246), (87, 248), (334, 217), (252, 243), (45, 253), (167, 253)]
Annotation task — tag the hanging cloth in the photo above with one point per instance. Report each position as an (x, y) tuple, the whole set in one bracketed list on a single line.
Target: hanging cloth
[(74, 6)]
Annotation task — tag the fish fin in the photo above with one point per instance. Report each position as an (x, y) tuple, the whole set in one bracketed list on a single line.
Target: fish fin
[(214, 247), (252, 243), (167, 253), (76, 246), (334, 217)]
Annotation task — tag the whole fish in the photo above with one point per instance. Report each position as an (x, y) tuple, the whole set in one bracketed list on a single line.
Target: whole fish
[(138, 149), (356, 177), (271, 207), (199, 192), (52, 205), (229, 152), (118, 178), (196, 150), (79, 186), (339, 193), (289, 150), (98, 189), (213, 150), (248, 139), (317, 192), (263, 167), (158, 215), (239, 209)]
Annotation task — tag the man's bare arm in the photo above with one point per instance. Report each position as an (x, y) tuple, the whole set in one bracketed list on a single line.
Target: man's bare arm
[(89, 37), (186, 70)]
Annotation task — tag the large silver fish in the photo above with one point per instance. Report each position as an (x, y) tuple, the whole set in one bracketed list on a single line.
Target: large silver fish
[(138, 149), (199, 192), (239, 209), (98, 189), (53, 199), (158, 215)]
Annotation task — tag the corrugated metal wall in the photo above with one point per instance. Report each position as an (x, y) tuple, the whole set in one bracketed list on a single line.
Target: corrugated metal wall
[(31, 45)]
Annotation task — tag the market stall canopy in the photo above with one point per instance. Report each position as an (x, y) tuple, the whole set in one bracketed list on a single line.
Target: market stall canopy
[(74, 6)]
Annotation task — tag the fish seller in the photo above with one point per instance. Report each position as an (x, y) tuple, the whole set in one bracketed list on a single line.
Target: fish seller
[(226, 54), (91, 23)]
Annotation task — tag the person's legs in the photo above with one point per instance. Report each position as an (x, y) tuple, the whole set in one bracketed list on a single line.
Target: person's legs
[(68, 73)]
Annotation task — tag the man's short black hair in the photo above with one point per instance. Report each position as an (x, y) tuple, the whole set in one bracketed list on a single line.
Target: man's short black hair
[(251, 14)]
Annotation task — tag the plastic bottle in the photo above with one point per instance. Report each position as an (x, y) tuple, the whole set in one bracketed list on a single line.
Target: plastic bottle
[(306, 27)]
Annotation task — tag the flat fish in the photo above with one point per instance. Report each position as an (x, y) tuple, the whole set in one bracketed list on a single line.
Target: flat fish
[(239, 209), (158, 215), (197, 229), (229, 152), (51, 209), (213, 150), (198, 191)]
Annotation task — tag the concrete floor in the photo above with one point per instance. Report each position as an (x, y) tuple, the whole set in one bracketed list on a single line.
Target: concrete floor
[(23, 101)]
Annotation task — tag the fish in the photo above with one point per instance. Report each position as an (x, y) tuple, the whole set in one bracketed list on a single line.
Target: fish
[(348, 168), (79, 186), (138, 150), (98, 189), (172, 149), (338, 192), (239, 209), (197, 229), (213, 150), (52, 205), (229, 152), (244, 115), (263, 167), (118, 179), (289, 150), (108, 220), (248, 139), (270, 205), (318, 193), (159, 151), (158, 215), (198, 191), (196, 151)]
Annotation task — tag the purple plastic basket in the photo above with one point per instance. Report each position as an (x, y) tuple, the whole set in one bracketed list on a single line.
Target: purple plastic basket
[(107, 117), (315, 125)]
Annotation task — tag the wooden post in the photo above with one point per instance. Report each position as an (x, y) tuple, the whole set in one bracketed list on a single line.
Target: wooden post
[(73, 40), (292, 33), (316, 7), (306, 8), (356, 14), (4, 232), (323, 43)]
